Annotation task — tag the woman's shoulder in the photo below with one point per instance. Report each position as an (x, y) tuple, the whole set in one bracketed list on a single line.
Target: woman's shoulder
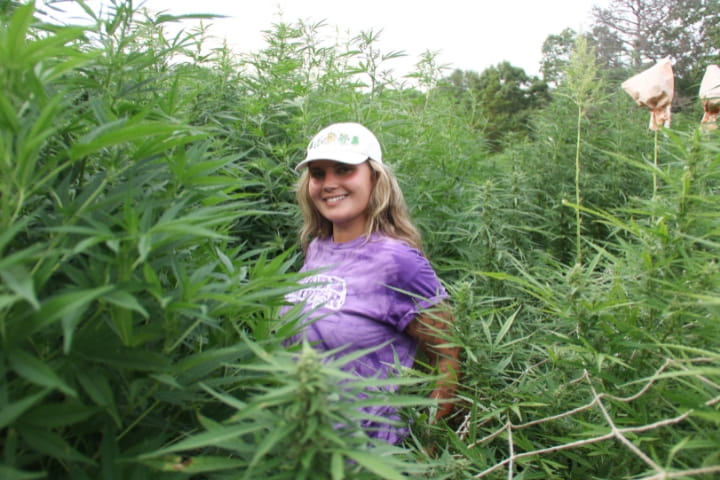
[(392, 243), (398, 249), (406, 266)]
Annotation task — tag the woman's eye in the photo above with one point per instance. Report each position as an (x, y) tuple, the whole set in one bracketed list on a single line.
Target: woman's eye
[(343, 170), (317, 174)]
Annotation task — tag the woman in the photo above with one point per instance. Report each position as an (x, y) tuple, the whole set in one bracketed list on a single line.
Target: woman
[(374, 287)]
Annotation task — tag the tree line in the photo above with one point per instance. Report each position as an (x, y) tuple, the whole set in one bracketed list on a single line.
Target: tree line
[(625, 37)]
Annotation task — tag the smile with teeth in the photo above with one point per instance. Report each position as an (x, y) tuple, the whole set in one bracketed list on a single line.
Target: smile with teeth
[(335, 199)]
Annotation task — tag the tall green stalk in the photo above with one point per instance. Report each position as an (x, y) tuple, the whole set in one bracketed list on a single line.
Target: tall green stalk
[(578, 218), (582, 86)]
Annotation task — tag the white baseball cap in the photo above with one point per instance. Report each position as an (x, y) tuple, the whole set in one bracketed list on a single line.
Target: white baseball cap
[(346, 142)]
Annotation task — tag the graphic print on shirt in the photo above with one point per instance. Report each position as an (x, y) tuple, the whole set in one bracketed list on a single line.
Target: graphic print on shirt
[(329, 292)]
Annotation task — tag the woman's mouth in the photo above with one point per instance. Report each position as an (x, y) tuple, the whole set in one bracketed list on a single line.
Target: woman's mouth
[(335, 199)]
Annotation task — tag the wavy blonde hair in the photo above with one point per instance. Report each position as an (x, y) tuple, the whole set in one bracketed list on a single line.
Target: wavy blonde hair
[(387, 210)]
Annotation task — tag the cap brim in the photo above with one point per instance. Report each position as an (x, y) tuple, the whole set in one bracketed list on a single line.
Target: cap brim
[(350, 158)]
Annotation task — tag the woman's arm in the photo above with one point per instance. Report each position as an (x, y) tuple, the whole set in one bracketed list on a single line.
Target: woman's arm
[(429, 330)]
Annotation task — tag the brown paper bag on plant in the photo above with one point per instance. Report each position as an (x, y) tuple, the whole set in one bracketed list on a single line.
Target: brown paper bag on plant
[(710, 95), (654, 88)]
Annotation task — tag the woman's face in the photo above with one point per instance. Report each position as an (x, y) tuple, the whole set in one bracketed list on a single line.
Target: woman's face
[(341, 193)]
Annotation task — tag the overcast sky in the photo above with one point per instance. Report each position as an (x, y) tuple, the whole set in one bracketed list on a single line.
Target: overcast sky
[(471, 35)]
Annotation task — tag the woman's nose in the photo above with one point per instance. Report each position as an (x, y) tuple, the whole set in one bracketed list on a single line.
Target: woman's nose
[(330, 181)]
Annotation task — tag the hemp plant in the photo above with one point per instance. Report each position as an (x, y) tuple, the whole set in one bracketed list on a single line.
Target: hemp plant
[(583, 87), (301, 422)]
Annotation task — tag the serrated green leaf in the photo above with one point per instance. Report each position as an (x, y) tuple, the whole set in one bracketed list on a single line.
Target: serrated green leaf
[(119, 132), (228, 400), (201, 440), (709, 415), (131, 358), (10, 412), (168, 380), (337, 468), (7, 300), (20, 281), (97, 386), (36, 371), (506, 327), (189, 16), (268, 443), (9, 473), (8, 116), (144, 246), (16, 34), (196, 464), (43, 127), (18, 257), (52, 444), (72, 302), (183, 226), (211, 359), (125, 299), (376, 465), (51, 415)]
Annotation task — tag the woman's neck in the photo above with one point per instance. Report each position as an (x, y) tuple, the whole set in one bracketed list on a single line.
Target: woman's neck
[(341, 235)]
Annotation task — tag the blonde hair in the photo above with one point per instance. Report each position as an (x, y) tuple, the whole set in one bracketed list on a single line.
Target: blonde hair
[(387, 210)]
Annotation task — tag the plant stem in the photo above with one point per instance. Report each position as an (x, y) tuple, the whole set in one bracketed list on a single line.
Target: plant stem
[(578, 220), (655, 160)]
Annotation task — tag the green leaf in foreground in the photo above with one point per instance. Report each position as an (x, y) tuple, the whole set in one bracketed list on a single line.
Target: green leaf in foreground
[(35, 370), (9, 473), (376, 464)]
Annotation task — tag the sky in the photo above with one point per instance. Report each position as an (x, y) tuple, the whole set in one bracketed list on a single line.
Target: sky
[(466, 34)]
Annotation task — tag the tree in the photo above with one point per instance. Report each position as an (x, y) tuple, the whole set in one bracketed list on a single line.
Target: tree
[(607, 45), (633, 23), (500, 99), (556, 50)]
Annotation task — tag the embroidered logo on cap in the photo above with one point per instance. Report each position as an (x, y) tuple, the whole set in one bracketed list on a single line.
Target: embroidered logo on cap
[(332, 137)]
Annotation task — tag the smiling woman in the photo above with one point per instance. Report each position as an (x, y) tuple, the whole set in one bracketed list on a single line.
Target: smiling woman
[(376, 290), (340, 179), (341, 194)]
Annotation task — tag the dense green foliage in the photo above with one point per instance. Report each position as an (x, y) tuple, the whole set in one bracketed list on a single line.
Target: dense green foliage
[(499, 101), (148, 236)]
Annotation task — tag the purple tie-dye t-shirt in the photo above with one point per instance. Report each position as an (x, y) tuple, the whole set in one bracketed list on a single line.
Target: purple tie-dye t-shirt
[(361, 301)]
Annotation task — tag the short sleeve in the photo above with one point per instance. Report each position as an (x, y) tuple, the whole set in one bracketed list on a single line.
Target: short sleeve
[(415, 288)]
